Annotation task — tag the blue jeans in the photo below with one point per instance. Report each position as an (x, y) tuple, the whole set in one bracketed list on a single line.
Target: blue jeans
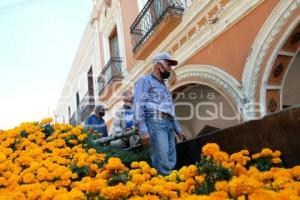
[(162, 137)]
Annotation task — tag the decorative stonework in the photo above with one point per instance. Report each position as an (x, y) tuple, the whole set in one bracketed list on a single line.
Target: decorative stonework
[(278, 70), (272, 106), (267, 35), (219, 78)]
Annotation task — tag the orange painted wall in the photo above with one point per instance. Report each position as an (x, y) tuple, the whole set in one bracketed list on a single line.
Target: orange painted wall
[(231, 49), (130, 11)]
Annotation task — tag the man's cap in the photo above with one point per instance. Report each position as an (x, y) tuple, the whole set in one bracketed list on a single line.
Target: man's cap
[(164, 56), (100, 107)]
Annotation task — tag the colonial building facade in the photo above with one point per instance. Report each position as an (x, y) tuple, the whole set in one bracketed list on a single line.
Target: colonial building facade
[(238, 59)]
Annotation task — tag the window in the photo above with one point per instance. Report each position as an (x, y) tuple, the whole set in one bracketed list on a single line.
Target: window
[(114, 44), (90, 82)]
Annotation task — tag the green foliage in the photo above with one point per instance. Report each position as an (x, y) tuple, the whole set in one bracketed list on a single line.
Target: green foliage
[(206, 188), (47, 130), (67, 140), (263, 163), (81, 171), (117, 178), (213, 172), (127, 157), (24, 134)]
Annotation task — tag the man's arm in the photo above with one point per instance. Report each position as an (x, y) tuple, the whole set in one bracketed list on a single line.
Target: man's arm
[(140, 93), (178, 130)]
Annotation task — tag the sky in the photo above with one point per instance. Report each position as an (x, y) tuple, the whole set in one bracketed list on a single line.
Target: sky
[(38, 42)]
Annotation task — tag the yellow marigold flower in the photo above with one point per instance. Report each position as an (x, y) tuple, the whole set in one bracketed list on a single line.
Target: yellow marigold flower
[(146, 169), (295, 171), (261, 194), (153, 172), (276, 160), (200, 179), (80, 163), (74, 176), (28, 178), (243, 185), (73, 142), (239, 170), (66, 175), (219, 195), (191, 171), (276, 154), (134, 165), (220, 156), (97, 185), (266, 152), (3, 181), (81, 137), (142, 164), (172, 177), (210, 149), (42, 173), (76, 131), (105, 174), (256, 156), (115, 164), (2, 157), (146, 176), (119, 191), (92, 151), (221, 186), (46, 121), (138, 179), (93, 167)]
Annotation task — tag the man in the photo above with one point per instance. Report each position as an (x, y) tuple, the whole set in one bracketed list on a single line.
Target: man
[(123, 121), (96, 123), (155, 114)]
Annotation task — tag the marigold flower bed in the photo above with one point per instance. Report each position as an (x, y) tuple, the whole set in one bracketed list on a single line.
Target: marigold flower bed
[(43, 161)]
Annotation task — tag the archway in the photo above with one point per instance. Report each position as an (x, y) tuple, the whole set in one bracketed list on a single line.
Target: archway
[(206, 99), (271, 55), (202, 109), (282, 84)]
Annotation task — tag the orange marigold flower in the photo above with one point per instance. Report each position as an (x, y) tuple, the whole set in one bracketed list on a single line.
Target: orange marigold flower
[(266, 152), (210, 149)]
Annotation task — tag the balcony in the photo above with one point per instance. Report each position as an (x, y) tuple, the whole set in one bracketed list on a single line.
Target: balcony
[(110, 76), (154, 23), (74, 119), (86, 106)]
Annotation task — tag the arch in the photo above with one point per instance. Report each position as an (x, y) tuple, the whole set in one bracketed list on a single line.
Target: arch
[(215, 78), (261, 50), (276, 55)]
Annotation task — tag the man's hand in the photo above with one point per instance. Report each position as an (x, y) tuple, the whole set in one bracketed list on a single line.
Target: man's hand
[(145, 139), (181, 137)]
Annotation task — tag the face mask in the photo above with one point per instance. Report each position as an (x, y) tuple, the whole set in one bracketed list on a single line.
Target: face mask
[(165, 75), (101, 113)]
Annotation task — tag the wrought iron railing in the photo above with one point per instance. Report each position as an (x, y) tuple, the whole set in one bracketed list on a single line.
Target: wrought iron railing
[(86, 106), (74, 119), (150, 17), (111, 72)]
